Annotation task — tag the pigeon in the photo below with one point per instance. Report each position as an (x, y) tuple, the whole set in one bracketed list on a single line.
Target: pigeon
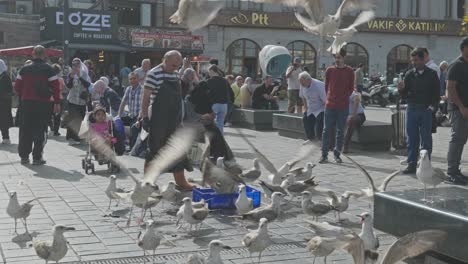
[(214, 254), (302, 174), (342, 36), (277, 174), (295, 188), (368, 236), (372, 189), (180, 212), (269, 189), (193, 216), (19, 211), (254, 173), (151, 239), (243, 203), (258, 240), (195, 14), (270, 212), (56, 249), (112, 189), (221, 180), (427, 174), (314, 209), (339, 204)]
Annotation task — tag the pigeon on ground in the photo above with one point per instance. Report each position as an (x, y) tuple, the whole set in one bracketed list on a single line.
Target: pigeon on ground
[(19, 211), (56, 249), (243, 203), (258, 240), (214, 254), (195, 14), (314, 209), (254, 173), (151, 239), (427, 174), (270, 212), (302, 174), (368, 236)]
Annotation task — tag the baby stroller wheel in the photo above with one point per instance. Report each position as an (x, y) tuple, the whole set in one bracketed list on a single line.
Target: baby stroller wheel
[(92, 168)]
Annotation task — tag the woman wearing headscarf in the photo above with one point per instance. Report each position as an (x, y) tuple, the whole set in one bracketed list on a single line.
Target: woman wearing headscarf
[(78, 82), (218, 93), (6, 92), (246, 92)]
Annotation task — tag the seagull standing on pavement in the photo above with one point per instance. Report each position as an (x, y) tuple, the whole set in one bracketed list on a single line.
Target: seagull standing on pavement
[(322, 247), (53, 250), (112, 189), (193, 216), (243, 203), (295, 188), (302, 174), (170, 193), (269, 212), (19, 211), (339, 204), (151, 239), (214, 254), (254, 173), (258, 240), (368, 236), (180, 212), (314, 209), (269, 189), (195, 14), (427, 174)]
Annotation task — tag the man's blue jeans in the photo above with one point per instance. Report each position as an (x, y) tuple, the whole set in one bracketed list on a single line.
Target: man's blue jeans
[(220, 110), (334, 118), (418, 131)]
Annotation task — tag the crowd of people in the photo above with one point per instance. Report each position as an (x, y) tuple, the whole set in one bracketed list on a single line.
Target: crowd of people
[(159, 99)]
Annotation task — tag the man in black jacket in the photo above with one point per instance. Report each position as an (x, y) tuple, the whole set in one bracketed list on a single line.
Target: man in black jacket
[(264, 96), (421, 89)]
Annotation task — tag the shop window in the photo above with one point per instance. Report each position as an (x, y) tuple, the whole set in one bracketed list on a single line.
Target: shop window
[(357, 54), (393, 8), (306, 52), (448, 8), (398, 61), (251, 5), (414, 8), (242, 58), (460, 8), (128, 14), (233, 4)]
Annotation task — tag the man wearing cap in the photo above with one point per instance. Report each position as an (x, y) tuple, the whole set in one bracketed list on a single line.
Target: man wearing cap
[(292, 75), (36, 85)]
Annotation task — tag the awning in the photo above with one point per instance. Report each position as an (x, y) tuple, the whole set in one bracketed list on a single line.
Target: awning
[(27, 51), (105, 47)]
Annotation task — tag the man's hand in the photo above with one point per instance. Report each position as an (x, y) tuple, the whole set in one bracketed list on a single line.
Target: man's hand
[(138, 124), (146, 124), (464, 112), (266, 96), (56, 108)]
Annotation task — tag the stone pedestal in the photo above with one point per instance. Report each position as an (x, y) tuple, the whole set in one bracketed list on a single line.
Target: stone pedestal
[(289, 125), (254, 118)]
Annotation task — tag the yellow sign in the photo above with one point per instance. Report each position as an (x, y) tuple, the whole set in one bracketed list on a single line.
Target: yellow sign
[(253, 19), (405, 25)]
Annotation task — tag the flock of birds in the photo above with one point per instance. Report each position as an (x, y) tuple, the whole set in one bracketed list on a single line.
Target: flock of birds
[(195, 14), (225, 176)]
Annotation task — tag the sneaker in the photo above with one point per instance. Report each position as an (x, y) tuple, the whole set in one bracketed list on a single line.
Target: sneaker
[(455, 180), (404, 162), (337, 159), (73, 143), (323, 160), (25, 161), (39, 162), (6, 141), (410, 170)]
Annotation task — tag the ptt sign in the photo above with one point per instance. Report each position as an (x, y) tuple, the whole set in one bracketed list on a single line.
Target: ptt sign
[(87, 21)]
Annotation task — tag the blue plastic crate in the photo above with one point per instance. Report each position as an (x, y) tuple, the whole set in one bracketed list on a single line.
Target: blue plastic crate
[(224, 201)]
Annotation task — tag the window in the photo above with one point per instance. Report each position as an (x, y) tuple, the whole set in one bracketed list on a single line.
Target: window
[(356, 54), (393, 8), (414, 8), (286, 8), (128, 14), (233, 4), (2, 37), (448, 8), (251, 5), (460, 8), (306, 52), (242, 58)]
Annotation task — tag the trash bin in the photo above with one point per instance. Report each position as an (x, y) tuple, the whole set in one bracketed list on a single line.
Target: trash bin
[(399, 126)]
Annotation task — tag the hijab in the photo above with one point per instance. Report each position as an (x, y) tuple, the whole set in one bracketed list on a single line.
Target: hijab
[(105, 80), (185, 78), (83, 70), (3, 67)]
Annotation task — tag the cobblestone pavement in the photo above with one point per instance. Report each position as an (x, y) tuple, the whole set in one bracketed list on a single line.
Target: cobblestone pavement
[(75, 199)]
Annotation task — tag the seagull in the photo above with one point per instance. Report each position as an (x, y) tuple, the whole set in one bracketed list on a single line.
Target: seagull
[(368, 236), (254, 173), (56, 249), (342, 36), (153, 200), (314, 209), (180, 212), (369, 192), (427, 174), (269, 189), (151, 239), (243, 203), (221, 180), (322, 247), (19, 211), (214, 254), (193, 216), (170, 193), (340, 204), (270, 212), (295, 188), (258, 240), (303, 173), (324, 229), (277, 174), (195, 14), (112, 189)]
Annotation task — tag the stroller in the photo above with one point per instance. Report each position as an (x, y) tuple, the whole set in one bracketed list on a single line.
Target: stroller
[(116, 131)]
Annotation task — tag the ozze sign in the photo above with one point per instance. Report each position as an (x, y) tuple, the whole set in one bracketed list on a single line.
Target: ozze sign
[(82, 26)]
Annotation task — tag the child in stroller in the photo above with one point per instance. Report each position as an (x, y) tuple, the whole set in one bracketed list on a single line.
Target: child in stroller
[(101, 127)]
